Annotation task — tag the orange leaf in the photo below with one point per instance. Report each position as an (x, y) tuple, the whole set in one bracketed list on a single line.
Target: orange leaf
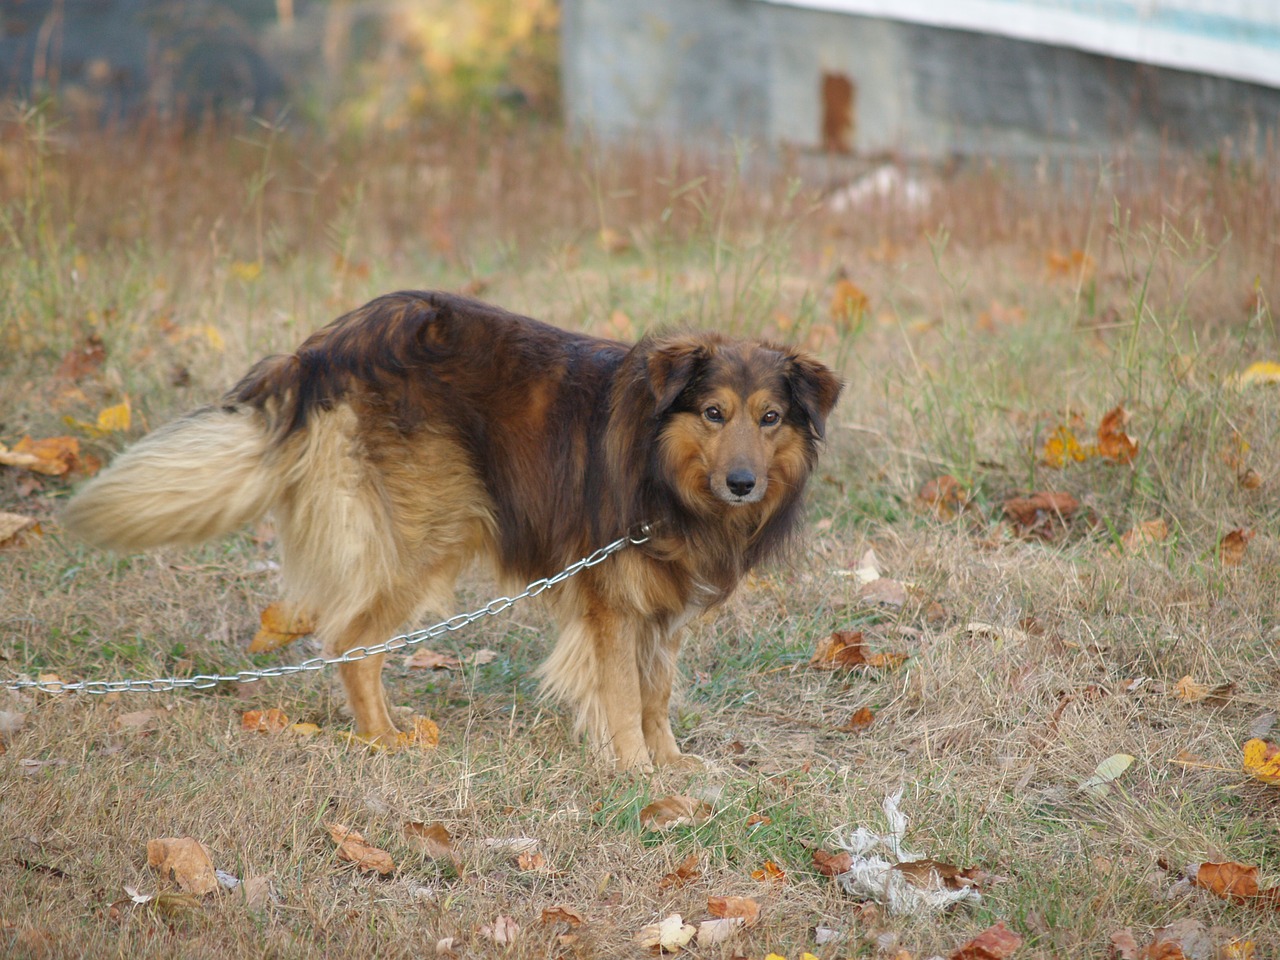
[(562, 914), (1041, 513), (264, 721), (1230, 880), (849, 302), (744, 907), (432, 839), (52, 456), (282, 623), (687, 872), (1113, 442), (1232, 547), (185, 861), (994, 943), (1151, 531), (353, 848), (769, 871)]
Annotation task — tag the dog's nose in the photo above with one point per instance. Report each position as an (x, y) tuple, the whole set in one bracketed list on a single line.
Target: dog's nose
[(740, 482)]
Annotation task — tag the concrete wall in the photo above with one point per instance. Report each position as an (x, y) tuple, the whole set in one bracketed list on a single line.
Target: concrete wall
[(703, 69)]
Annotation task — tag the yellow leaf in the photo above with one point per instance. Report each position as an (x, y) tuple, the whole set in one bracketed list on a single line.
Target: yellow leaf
[(1264, 371), (282, 623), (1262, 761), (215, 339), (115, 419), (302, 729), (1099, 785), (246, 270), (52, 456), (185, 861), (1062, 446), (353, 848)]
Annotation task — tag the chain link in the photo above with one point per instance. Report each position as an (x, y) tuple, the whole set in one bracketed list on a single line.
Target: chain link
[(456, 622)]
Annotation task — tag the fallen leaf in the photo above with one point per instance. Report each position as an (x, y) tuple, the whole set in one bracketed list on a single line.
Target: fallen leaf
[(481, 657), (138, 720), (862, 718), (185, 861), (674, 811), (1232, 546), (712, 932), (302, 729), (1264, 371), (503, 931), (1076, 265), (846, 649), (1041, 513), (11, 721), (831, 864), (668, 935), (1113, 442), (273, 720), (884, 591), (1248, 479), (281, 624), (52, 456), (1262, 760), (562, 914), (849, 303), (1230, 880), (114, 419), (246, 270), (1061, 446), (425, 659), (1124, 946), (1262, 725), (1236, 949), (929, 874), (686, 872), (1190, 690), (353, 849), (13, 526), (1110, 769), (994, 943), (943, 496), (80, 361), (532, 862), (743, 908), (432, 839), (613, 241), (769, 871), (1148, 532)]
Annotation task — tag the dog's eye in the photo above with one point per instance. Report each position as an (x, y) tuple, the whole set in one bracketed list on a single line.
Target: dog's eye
[(713, 414), (770, 418)]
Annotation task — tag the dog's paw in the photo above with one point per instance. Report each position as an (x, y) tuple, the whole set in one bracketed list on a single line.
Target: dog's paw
[(682, 761)]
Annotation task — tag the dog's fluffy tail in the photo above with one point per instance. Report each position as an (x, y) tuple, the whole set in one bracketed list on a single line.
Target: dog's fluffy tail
[(193, 479)]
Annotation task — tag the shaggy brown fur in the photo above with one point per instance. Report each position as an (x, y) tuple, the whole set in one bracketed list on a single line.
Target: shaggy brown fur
[(425, 430)]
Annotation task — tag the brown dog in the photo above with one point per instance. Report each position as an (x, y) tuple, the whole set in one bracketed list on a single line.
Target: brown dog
[(424, 430)]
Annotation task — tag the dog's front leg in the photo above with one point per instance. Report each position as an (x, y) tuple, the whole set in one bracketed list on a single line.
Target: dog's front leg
[(616, 643)]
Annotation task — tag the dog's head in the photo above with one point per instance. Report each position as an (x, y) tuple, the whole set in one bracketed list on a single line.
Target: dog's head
[(739, 420)]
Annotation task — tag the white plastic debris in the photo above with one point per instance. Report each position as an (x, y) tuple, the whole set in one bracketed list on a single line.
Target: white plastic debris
[(872, 875)]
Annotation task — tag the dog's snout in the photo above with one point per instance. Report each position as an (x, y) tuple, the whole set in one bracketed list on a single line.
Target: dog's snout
[(740, 482)]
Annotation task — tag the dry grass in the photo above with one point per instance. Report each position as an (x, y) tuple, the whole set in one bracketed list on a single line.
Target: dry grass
[(982, 335)]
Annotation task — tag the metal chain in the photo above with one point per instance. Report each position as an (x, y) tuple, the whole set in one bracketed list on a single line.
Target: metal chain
[(458, 621)]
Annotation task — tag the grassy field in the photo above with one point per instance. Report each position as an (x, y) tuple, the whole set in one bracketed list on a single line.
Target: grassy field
[(985, 333)]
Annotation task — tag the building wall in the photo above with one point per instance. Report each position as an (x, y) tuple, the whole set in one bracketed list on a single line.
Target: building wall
[(704, 69)]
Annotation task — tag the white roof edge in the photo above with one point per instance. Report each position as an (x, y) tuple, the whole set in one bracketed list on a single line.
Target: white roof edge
[(1140, 41)]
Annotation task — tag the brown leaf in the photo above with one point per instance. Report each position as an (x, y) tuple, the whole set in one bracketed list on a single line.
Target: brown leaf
[(933, 875), (849, 303), (1249, 479), (138, 720), (14, 527), (273, 720), (744, 907), (353, 848), (831, 864), (282, 623), (425, 659), (1041, 513), (503, 931), (994, 943), (1232, 546), (686, 872), (1230, 880), (432, 839), (943, 496), (862, 718), (562, 914), (674, 811), (185, 861), (83, 360), (1124, 946), (846, 649), (1113, 442)]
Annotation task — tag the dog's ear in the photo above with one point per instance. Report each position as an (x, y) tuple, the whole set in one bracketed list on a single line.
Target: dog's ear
[(671, 366), (814, 388)]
